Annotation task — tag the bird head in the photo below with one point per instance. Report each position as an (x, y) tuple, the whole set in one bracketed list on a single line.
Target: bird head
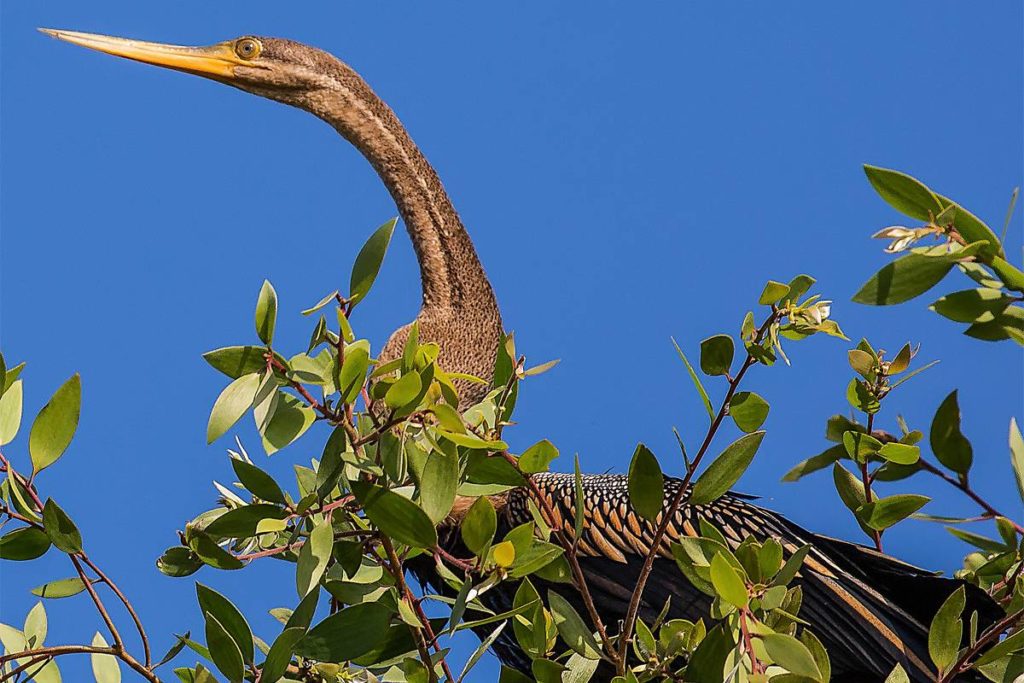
[(275, 68)]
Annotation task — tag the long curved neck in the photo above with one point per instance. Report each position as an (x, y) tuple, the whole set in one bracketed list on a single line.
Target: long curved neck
[(453, 278)]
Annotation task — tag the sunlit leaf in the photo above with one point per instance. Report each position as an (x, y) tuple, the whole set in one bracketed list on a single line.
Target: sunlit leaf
[(266, 312), (10, 413), (646, 484), (948, 443), (105, 668), (62, 531), (726, 469), (55, 424), (232, 403), (396, 516), (367, 263)]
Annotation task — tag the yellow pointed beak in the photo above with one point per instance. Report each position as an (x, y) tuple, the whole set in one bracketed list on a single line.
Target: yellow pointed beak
[(214, 61)]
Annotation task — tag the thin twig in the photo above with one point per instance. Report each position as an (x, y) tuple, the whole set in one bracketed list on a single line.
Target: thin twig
[(965, 486), (569, 546), (118, 643), (669, 514)]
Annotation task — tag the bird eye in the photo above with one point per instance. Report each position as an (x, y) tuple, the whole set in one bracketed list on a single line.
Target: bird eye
[(247, 48)]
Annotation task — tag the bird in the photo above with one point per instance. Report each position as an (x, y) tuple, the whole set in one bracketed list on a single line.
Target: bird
[(870, 611), (459, 311)]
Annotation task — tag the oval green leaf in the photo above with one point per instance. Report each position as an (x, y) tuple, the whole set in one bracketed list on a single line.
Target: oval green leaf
[(748, 410), (266, 312), (646, 483), (62, 531), (55, 424), (726, 469), (396, 516), (231, 405)]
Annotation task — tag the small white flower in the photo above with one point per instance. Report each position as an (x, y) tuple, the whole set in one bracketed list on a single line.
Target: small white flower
[(894, 232)]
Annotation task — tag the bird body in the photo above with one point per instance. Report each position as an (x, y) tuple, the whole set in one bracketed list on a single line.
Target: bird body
[(871, 611)]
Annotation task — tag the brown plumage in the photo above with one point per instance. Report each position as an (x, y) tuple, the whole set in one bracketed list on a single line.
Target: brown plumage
[(459, 311), (871, 611)]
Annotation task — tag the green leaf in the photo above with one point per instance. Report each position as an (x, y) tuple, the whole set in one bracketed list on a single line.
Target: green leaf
[(214, 605), (1007, 324), (367, 263), (438, 482), (903, 279), (538, 457), (26, 543), (572, 628), (538, 555), (815, 463), (898, 675), (404, 391), (851, 491), (716, 354), (773, 291), (646, 483), (728, 583), (972, 305), (799, 286), (320, 304), (479, 525), (726, 469), (860, 446), (231, 405), (882, 513), (862, 362), (948, 443), (62, 531), (396, 516), (290, 420), (791, 654), (347, 634), (10, 413), (904, 193), (104, 667), (448, 418), (211, 553), (313, 558), (266, 312), (1017, 455), (748, 410), (353, 371), (861, 398), (62, 588), (224, 651), (179, 561), (1011, 643), (35, 626), (242, 522), (55, 424), (235, 361), (280, 655), (947, 630), (696, 382), (899, 453), (818, 652), (258, 482)]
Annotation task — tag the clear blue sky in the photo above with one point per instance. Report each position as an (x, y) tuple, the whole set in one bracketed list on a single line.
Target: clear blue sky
[(627, 174)]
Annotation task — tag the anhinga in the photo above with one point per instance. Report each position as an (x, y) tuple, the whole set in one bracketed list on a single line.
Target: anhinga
[(871, 611), (459, 311)]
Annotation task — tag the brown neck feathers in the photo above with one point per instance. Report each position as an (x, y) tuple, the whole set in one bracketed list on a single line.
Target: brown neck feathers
[(452, 276)]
